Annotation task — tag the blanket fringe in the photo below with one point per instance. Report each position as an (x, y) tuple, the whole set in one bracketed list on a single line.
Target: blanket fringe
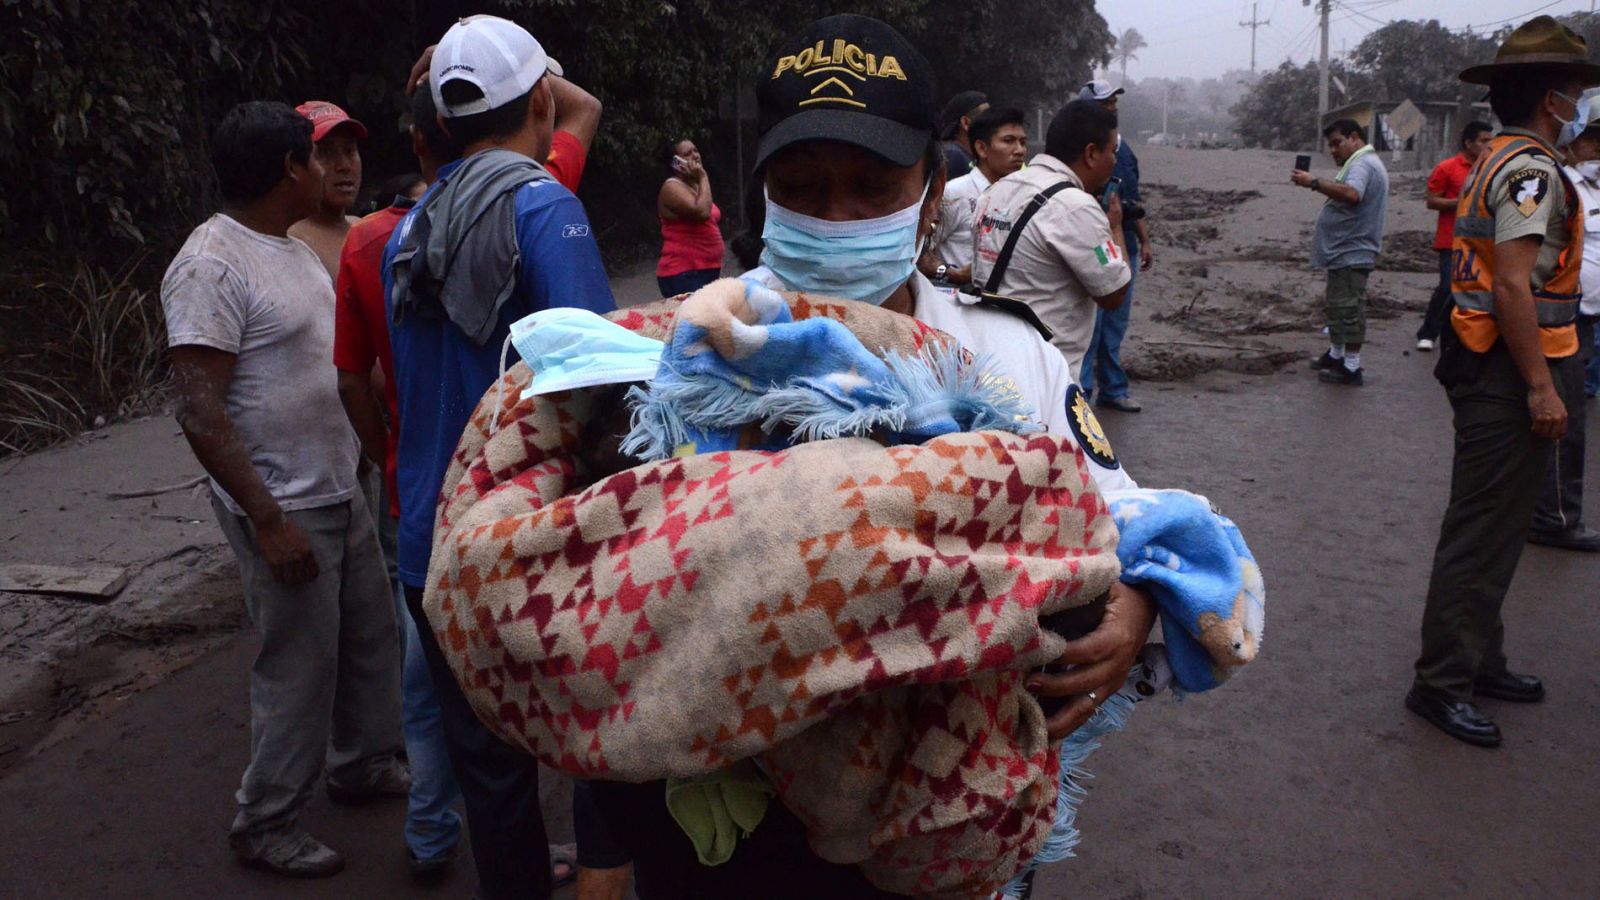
[(940, 383), (944, 380)]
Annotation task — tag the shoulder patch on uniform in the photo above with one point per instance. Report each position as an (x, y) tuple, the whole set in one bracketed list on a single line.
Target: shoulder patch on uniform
[(1527, 190), (1016, 309), (1086, 428)]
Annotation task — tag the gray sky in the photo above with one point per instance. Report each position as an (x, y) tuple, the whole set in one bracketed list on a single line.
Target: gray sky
[(1202, 38)]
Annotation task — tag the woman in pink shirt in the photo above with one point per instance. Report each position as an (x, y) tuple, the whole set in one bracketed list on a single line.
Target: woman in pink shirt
[(691, 242)]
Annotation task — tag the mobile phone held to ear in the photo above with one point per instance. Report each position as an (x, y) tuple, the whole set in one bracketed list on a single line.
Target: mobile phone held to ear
[(679, 164), (1113, 188), (1302, 163)]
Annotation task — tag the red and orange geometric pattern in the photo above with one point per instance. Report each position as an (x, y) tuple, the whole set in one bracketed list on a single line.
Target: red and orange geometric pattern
[(857, 618)]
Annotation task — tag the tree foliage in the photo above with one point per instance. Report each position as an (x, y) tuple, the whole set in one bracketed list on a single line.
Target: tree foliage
[(1127, 47), (1418, 60), (1280, 111), (105, 108)]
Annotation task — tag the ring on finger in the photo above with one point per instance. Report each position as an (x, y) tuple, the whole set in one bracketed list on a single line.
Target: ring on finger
[(1094, 698)]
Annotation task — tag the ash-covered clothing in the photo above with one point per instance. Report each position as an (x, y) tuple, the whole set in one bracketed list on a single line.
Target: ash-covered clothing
[(325, 685), (958, 209), (1065, 258), (442, 373), (269, 301), (1351, 234)]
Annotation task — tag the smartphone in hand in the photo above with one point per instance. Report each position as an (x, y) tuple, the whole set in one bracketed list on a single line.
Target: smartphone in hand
[(679, 164), (1302, 163), (1113, 188)]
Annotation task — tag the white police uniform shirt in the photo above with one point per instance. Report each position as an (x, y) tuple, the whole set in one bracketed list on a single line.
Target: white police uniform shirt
[(1589, 275), (957, 211), (1022, 354)]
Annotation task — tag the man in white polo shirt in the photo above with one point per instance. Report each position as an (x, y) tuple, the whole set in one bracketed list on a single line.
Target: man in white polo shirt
[(1000, 140), (1068, 258)]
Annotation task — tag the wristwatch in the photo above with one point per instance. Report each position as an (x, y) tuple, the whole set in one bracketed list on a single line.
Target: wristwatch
[(1316, 184), (939, 273)]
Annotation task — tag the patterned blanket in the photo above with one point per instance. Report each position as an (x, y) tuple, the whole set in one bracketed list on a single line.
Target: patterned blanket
[(856, 618)]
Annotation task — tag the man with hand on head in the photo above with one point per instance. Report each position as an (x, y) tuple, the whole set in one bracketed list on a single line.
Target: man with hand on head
[(495, 238), (1067, 259), (336, 138), (1000, 140)]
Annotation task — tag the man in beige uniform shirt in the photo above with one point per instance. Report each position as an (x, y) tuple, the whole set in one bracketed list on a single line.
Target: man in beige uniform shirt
[(1070, 257)]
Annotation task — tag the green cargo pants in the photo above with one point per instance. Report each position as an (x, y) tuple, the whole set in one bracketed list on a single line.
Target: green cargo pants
[(1346, 305)]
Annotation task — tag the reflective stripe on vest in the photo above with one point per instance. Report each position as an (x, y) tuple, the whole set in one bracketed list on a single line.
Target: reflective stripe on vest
[(1472, 279)]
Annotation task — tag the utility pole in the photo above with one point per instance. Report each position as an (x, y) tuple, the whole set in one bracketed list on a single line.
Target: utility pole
[(1322, 88), (1253, 24)]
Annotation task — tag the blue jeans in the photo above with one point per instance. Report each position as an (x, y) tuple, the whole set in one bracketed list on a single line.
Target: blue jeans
[(433, 827), (1104, 357)]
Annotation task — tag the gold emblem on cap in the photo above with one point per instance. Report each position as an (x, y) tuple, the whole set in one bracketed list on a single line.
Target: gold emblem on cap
[(843, 58)]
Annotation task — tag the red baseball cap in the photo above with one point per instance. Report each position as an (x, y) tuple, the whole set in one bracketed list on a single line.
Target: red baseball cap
[(325, 117)]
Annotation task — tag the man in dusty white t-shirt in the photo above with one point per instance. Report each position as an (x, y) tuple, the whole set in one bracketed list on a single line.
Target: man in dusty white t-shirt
[(1069, 258), (250, 315)]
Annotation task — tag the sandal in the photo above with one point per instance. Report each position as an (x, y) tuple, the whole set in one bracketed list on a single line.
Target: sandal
[(563, 864)]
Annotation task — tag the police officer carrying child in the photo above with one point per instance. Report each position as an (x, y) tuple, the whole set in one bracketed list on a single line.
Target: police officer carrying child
[(1516, 257)]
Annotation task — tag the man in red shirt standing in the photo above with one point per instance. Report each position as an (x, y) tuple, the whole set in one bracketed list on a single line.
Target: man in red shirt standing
[(361, 341), (1444, 187)]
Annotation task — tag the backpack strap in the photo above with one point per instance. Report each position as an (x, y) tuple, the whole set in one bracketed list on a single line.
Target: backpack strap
[(1004, 259)]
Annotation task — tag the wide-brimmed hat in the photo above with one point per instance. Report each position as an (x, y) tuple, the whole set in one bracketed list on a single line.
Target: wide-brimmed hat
[(1539, 42)]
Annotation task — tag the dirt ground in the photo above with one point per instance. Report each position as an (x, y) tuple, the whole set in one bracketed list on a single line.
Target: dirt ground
[(123, 726)]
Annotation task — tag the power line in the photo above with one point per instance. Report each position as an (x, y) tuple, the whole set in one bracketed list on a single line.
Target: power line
[(1511, 18)]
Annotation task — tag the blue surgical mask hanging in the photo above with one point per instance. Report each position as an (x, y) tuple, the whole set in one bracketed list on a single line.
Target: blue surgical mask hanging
[(1571, 128), (865, 260)]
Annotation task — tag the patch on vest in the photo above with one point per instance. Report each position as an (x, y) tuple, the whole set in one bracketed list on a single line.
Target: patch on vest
[(1528, 189), (1086, 428)]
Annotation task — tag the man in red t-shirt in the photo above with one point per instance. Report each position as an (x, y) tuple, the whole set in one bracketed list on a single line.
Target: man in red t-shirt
[(361, 340), (1444, 187)]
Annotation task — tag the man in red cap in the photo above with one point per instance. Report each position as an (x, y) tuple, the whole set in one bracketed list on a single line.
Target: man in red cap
[(334, 138)]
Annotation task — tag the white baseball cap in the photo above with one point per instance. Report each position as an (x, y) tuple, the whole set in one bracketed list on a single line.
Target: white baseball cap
[(1099, 89), (496, 55)]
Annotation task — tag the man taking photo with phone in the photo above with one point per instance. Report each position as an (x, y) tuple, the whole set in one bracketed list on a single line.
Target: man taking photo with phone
[(1348, 237)]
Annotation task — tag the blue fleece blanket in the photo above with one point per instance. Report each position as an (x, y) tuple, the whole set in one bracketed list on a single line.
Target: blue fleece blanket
[(804, 380), (1204, 580)]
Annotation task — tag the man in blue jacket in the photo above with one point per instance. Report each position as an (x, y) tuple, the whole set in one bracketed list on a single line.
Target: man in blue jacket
[(1102, 365), (459, 269)]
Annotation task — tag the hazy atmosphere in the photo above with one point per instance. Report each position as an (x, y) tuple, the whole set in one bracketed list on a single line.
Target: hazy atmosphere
[(1203, 38), (798, 449)]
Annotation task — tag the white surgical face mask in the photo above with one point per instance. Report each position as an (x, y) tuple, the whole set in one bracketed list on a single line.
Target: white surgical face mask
[(866, 260)]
